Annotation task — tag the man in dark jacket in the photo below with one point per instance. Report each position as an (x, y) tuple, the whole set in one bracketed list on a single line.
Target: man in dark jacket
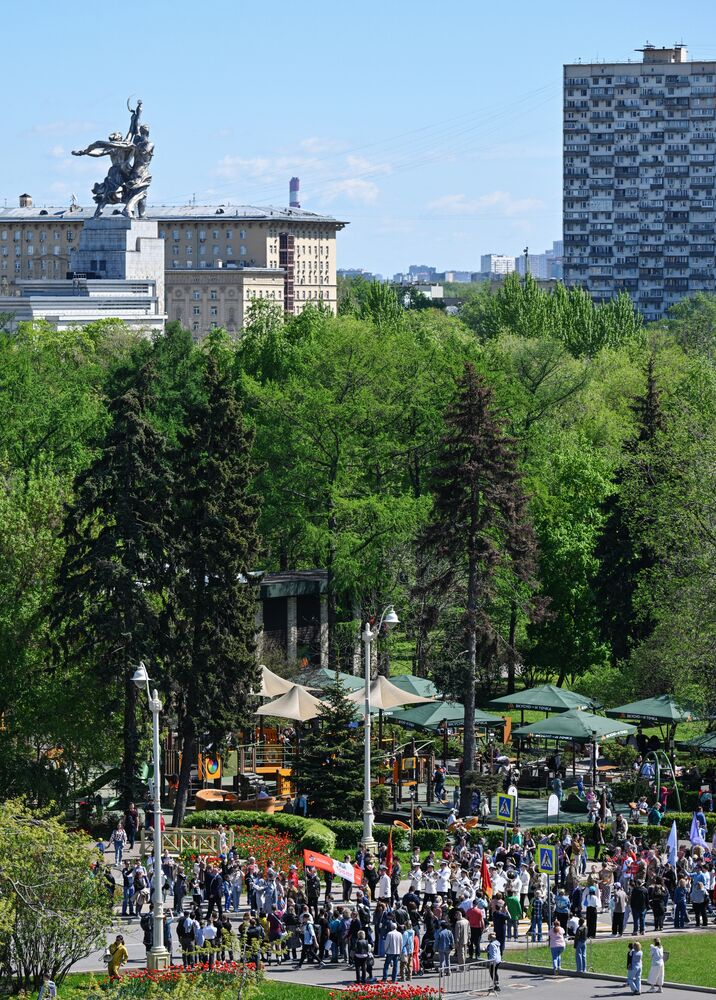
[(214, 888), (639, 901)]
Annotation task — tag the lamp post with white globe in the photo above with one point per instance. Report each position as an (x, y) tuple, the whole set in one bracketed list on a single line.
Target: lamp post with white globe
[(158, 957), (389, 617)]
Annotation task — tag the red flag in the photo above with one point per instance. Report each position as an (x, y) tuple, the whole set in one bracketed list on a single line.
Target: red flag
[(486, 880), (389, 853)]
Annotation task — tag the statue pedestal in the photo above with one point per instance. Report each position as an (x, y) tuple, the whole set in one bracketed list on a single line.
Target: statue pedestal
[(118, 248)]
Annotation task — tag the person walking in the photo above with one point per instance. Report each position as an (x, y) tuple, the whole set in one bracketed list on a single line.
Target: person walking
[(444, 944), (406, 953), (638, 901), (591, 905), (619, 901), (118, 841), (656, 971), (681, 893), (556, 945), (476, 918), (580, 946), (494, 958), (461, 932), (393, 948), (118, 956), (360, 957), (635, 968)]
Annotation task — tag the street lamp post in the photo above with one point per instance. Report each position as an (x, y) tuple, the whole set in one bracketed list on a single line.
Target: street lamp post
[(388, 617), (158, 956)]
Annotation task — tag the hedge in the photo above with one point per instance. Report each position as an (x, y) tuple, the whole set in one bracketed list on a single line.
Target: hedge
[(312, 834), (629, 791)]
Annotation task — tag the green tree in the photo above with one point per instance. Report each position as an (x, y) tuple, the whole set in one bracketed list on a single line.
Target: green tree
[(211, 610), (105, 609), (54, 910), (329, 766), (479, 526), (623, 553)]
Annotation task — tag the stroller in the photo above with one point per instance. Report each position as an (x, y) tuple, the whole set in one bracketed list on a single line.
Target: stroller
[(427, 954)]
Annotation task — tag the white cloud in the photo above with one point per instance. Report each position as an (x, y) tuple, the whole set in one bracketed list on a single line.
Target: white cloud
[(353, 188), (319, 145), (501, 202), (58, 152), (62, 128)]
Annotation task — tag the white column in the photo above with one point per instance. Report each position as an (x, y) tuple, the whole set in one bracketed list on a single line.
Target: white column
[(158, 957), (367, 841), (291, 629), (324, 630)]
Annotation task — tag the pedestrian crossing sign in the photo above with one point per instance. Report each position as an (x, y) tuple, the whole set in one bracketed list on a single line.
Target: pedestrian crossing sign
[(547, 859), (506, 808)]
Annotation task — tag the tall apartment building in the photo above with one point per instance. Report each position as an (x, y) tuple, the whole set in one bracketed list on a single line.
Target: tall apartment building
[(638, 207), (217, 259), (496, 263)]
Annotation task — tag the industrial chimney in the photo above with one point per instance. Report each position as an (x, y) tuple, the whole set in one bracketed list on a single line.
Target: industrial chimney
[(293, 193), (25, 201)]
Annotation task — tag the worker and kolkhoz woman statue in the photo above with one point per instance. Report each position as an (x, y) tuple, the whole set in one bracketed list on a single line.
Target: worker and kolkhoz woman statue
[(128, 178)]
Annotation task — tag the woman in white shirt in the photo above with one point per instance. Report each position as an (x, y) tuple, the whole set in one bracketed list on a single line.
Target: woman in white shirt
[(656, 972)]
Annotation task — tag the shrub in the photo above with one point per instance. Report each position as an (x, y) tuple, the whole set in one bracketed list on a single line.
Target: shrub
[(386, 991), (310, 834)]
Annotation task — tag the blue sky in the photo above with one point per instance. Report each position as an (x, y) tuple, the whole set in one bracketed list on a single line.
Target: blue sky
[(434, 129)]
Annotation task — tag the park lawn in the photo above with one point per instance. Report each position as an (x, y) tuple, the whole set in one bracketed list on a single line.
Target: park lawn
[(692, 957), (76, 985)]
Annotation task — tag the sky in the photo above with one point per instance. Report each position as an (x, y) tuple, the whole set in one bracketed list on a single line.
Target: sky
[(433, 129)]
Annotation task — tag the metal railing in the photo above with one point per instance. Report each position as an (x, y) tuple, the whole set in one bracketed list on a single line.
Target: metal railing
[(472, 979), (176, 839)]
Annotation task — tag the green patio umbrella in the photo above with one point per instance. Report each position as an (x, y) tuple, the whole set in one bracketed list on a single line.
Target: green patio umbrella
[(545, 698), (323, 678), (706, 743), (415, 685), (662, 709), (578, 726), (434, 715)]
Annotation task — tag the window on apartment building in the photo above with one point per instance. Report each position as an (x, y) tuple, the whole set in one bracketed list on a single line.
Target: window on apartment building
[(215, 234), (229, 234), (214, 311), (242, 234), (18, 235), (202, 235), (188, 234), (3, 266), (229, 251), (242, 250), (202, 251), (56, 250), (197, 310), (195, 327), (3, 235), (215, 250), (70, 237), (175, 263), (29, 236), (196, 294), (175, 234), (30, 250), (17, 266), (189, 264), (214, 326), (18, 251)]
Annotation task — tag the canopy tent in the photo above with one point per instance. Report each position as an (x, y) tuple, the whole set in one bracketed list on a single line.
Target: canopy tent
[(662, 709), (272, 686), (415, 685), (323, 678), (433, 716), (297, 704), (545, 698), (385, 695), (578, 726), (706, 744)]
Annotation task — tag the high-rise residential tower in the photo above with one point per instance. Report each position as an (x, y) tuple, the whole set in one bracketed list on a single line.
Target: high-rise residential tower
[(639, 144)]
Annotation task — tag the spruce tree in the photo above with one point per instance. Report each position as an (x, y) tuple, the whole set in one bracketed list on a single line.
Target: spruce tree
[(479, 525), (329, 767), (622, 550), (211, 612), (105, 610)]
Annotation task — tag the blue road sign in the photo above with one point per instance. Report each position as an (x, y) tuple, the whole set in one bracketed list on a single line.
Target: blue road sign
[(547, 859), (506, 808)]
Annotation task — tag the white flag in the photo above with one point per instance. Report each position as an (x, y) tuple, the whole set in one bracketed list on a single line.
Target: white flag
[(695, 836), (672, 843)]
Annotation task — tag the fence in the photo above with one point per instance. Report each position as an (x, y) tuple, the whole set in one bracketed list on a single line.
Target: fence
[(176, 839), (473, 979)]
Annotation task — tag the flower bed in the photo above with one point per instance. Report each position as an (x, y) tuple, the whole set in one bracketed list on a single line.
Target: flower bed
[(385, 991), (277, 847), (216, 983)]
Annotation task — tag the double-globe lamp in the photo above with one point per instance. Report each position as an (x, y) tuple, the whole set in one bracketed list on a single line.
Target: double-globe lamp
[(158, 956)]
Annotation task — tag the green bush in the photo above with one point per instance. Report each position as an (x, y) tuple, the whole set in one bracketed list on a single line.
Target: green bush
[(312, 834), (430, 840)]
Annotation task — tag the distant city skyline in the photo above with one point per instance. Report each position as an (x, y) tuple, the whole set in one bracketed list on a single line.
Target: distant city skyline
[(443, 164)]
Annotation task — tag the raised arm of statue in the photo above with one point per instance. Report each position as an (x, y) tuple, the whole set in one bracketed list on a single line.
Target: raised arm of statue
[(136, 114)]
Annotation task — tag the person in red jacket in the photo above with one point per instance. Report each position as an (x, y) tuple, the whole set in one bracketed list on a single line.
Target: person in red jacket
[(476, 918)]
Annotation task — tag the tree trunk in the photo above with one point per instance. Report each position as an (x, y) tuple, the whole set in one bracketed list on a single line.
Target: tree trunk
[(131, 742), (468, 743), (331, 590), (511, 654), (188, 752)]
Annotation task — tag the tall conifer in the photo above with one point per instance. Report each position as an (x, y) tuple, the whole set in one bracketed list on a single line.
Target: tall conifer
[(478, 525), (211, 617), (106, 603)]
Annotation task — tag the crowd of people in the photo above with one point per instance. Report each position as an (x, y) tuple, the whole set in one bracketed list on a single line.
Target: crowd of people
[(441, 912)]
